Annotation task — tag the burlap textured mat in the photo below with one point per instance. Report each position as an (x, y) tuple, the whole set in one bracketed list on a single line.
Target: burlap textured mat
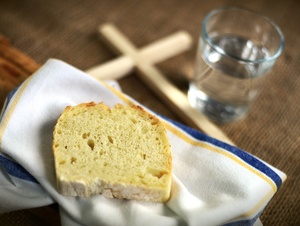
[(67, 30)]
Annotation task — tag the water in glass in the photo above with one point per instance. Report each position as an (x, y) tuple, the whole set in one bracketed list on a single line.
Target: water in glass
[(227, 76)]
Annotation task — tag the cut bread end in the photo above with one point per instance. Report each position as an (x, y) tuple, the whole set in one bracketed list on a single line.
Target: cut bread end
[(121, 152)]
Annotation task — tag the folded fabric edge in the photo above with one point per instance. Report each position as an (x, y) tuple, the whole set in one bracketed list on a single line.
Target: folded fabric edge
[(246, 222), (259, 166), (245, 156), (249, 159)]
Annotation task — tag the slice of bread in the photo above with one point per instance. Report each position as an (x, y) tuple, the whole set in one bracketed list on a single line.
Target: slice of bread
[(122, 152)]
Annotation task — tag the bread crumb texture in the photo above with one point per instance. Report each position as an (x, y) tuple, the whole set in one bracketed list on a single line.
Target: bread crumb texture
[(121, 152)]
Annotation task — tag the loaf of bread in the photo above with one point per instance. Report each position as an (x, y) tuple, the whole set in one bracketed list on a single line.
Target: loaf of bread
[(121, 152)]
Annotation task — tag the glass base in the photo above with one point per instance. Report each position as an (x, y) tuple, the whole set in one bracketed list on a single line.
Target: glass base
[(217, 111)]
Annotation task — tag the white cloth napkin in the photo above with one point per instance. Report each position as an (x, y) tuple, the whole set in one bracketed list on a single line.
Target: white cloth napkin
[(213, 183)]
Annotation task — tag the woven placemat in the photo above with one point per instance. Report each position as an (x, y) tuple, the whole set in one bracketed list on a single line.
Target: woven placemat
[(67, 30)]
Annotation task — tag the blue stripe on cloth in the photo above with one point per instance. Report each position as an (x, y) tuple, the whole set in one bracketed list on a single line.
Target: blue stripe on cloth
[(16, 170), (10, 96), (249, 159)]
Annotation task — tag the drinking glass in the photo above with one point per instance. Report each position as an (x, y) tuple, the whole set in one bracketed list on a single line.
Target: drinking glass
[(237, 48)]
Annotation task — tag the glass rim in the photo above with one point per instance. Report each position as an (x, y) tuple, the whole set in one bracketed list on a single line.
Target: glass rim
[(222, 52)]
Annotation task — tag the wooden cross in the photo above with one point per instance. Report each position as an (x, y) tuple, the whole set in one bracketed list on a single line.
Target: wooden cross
[(135, 58)]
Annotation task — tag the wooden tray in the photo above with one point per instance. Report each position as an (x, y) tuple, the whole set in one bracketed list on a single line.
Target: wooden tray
[(15, 67)]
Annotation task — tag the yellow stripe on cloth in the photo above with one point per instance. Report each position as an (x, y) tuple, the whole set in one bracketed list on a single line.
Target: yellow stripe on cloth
[(12, 105)]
